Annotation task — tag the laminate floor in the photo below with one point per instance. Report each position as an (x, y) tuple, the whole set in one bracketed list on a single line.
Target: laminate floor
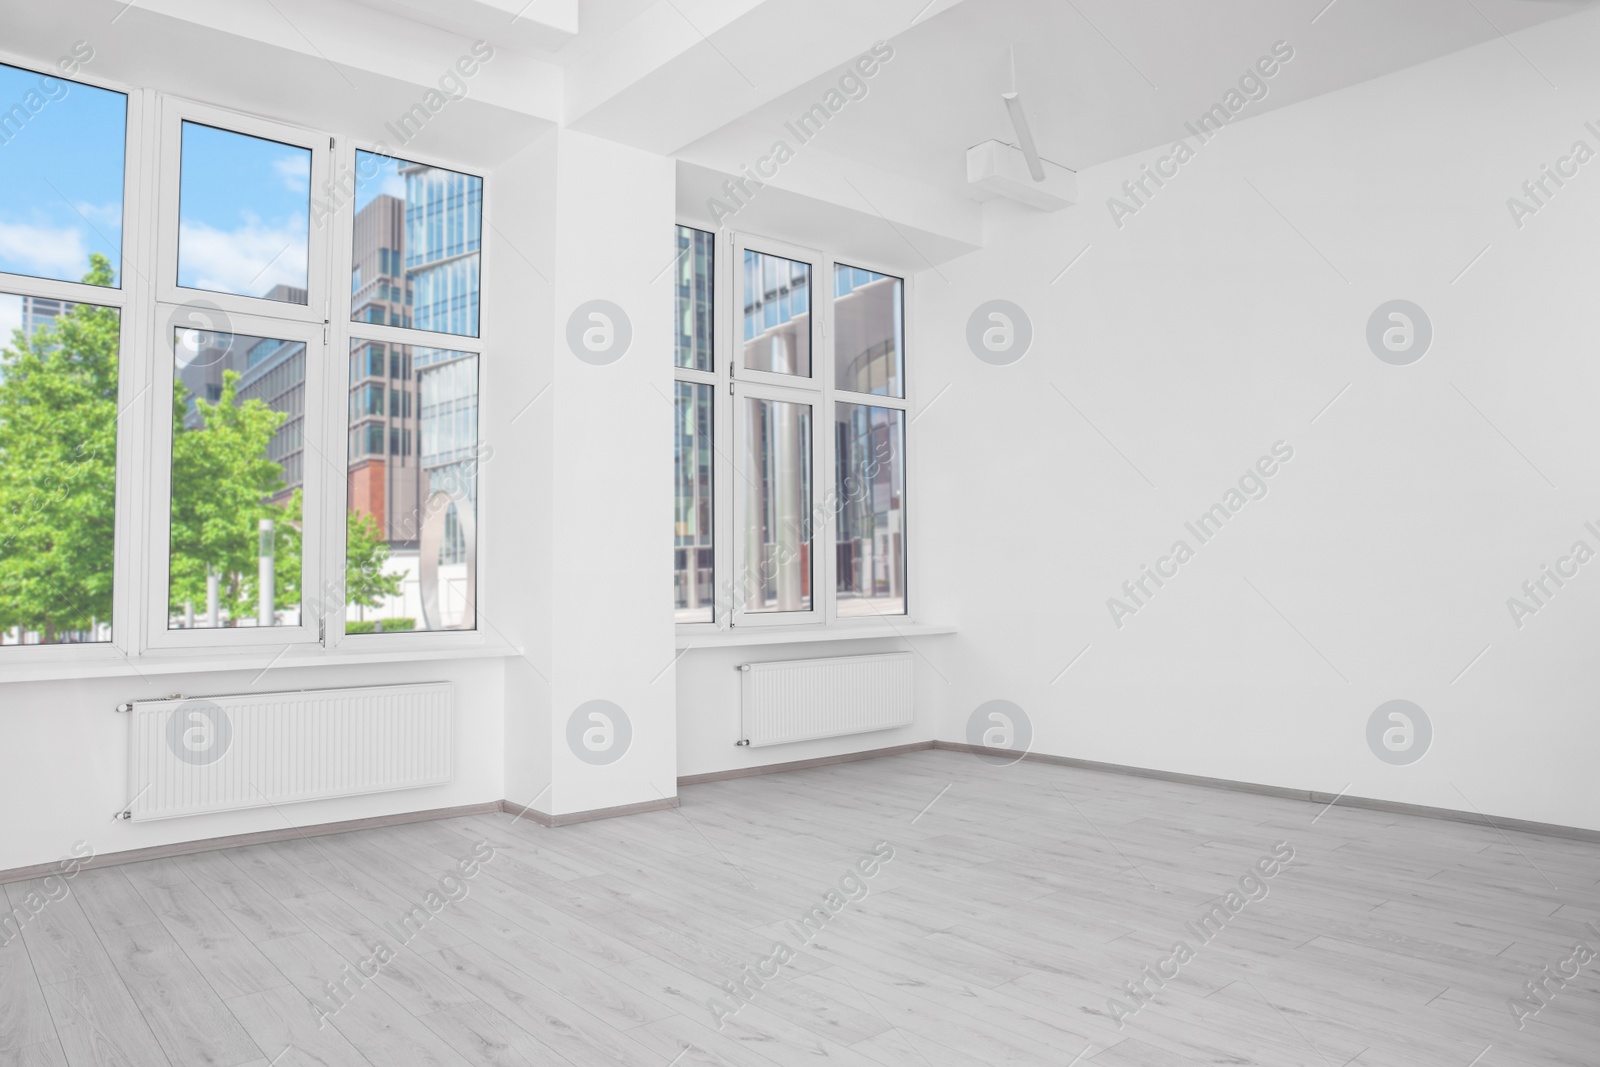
[(980, 914)]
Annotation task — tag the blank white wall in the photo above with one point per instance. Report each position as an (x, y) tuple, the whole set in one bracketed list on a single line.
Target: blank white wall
[(1222, 318)]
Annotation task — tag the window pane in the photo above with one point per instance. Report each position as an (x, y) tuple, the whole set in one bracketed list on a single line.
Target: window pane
[(869, 331), (871, 525), (692, 527), (58, 453), (238, 471), (777, 519), (63, 143), (411, 547), (696, 287), (417, 236), (777, 315), (244, 215)]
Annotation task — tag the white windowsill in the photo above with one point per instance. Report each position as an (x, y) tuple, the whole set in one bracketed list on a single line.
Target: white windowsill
[(151, 664), (785, 635)]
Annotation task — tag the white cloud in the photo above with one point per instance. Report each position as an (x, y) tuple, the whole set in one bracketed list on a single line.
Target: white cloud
[(394, 185), (295, 170), (106, 216), (42, 250), (248, 260)]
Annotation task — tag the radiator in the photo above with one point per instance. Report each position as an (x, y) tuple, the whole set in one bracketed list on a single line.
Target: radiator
[(190, 756), (801, 699)]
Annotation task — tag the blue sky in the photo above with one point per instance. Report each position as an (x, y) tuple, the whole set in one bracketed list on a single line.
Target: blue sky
[(376, 175), (244, 212), (63, 167)]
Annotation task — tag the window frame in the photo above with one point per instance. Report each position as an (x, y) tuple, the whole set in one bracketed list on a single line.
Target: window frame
[(130, 297), (902, 403), (159, 634), (722, 409), (734, 383), (342, 330), (175, 111)]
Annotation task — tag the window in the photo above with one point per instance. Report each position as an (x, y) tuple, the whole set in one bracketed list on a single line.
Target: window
[(303, 474), (411, 532), (419, 229), (62, 347), (694, 404), (810, 441), (64, 145), (59, 377), (237, 495), (777, 314), (244, 218)]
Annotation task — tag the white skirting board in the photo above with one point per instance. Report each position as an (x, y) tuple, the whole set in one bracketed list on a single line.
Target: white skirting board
[(196, 755), (804, 699)]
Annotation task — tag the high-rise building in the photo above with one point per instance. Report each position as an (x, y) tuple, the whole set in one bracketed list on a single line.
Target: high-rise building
[(384, 438), (443, 219), (40, 311), (443, 227)]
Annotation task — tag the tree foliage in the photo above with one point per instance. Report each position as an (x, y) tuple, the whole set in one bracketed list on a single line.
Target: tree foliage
[(58, 447), (222, 485), (366, 585)]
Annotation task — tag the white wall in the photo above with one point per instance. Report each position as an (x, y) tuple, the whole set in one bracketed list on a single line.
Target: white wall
[(1207, 328)]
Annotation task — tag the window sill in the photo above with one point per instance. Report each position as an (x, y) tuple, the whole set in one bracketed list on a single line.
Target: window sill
[(871, 630), (107, 663)]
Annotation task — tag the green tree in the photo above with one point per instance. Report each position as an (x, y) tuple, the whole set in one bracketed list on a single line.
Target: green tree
[(365, 583), (222, 485), (58, 447)]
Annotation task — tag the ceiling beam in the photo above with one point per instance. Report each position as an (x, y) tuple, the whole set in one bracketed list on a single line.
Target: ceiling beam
[(684, 69)]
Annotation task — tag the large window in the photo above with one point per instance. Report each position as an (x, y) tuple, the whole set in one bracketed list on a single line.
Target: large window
[(812, 519), (62, 341), (202, 446)]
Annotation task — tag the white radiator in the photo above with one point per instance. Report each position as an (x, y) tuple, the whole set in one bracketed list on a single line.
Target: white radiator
[(801, 699), (189, 756)]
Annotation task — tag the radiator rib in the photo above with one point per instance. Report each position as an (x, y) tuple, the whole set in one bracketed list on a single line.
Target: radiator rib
[(804, 699), (227, 753)]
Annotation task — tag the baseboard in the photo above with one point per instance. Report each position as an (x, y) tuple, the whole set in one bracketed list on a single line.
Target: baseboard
[(802, 764), (1311, 796), (546, 819), (259, 837)]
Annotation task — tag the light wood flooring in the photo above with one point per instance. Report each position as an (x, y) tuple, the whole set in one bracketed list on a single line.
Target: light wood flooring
[(1016, 904)]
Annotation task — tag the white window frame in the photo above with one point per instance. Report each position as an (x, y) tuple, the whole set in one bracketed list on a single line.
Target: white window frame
[(246, 316), (175, 111), (735, 383), (877, 400), (131, 299), (158, 565), (342, 330), (146, 301), (722, 408)]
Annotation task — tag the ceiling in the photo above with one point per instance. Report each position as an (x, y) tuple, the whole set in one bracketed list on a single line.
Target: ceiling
[(1102, 79)]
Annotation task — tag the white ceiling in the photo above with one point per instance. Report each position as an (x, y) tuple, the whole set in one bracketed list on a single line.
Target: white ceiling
[(1102, 79)]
